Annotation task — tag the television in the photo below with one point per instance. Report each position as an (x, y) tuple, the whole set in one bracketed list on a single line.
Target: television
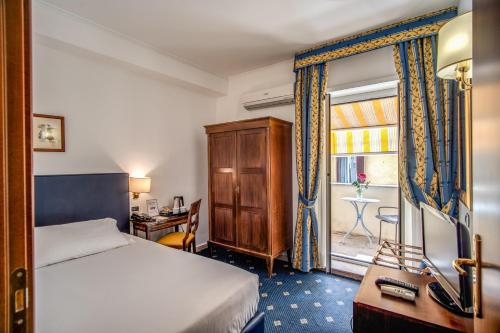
[(444, 240)]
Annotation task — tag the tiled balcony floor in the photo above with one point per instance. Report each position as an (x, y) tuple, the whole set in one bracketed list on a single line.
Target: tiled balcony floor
[(355, 246)]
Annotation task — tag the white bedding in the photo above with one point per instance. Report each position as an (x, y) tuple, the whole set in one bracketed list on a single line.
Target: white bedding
[(144, 287)]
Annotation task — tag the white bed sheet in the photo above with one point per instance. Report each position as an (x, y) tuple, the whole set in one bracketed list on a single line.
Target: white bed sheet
[(144, 287)]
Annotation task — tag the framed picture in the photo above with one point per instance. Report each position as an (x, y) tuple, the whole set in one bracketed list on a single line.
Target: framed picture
[(152, 207), (48, 133)]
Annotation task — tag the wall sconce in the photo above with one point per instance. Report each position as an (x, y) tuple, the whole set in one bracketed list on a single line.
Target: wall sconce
[(138, 185), (454, 60)]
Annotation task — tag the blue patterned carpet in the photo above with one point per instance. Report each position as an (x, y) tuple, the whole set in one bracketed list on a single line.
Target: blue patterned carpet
[(298, 302)]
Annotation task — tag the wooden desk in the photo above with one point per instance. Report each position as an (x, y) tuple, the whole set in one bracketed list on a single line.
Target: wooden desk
[(374, 312), (149, 227)]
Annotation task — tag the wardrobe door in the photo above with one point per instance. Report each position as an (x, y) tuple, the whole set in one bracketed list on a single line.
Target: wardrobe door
[(223, 183), (252, 190)]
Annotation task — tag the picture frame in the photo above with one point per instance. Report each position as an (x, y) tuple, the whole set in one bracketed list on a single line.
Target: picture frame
[(48, 133), (152, 207)]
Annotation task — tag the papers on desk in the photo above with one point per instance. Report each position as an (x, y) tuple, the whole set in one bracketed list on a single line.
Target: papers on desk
[(156, 219), (159, 219)]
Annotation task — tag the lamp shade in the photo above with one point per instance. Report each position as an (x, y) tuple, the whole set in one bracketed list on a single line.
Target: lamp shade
[(140, 184), (455, 46)]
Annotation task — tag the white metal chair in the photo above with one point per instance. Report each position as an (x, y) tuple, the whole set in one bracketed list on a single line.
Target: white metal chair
[(388, 218)]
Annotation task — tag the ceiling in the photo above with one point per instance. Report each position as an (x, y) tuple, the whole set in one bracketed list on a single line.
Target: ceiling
[(226, 37)]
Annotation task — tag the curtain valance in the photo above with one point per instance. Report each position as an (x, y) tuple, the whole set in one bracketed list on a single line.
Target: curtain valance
[(369, 113), (418, 27), (364, 140)]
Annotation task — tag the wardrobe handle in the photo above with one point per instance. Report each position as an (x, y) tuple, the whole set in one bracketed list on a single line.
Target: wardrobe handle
[(237, 189)]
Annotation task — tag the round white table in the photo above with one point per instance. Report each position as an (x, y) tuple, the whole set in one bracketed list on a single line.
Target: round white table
[(356, 203)]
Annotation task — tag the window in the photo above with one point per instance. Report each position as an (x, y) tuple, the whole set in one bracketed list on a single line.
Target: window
[(364, 139), (347, 168), (382, 169)]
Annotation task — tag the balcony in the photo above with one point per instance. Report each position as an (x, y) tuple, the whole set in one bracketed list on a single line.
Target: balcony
[(356, 247)]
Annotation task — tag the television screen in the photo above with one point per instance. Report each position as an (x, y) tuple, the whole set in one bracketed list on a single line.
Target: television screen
[(446, 239)]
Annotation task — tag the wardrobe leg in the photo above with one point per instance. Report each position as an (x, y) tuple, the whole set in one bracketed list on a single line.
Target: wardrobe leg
[(270, 263), (210, 250), (289, 256)]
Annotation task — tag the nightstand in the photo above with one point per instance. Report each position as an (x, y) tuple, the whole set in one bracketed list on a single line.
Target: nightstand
[(374, 312)]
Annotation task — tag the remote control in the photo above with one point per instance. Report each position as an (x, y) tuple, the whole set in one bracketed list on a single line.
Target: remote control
[(397, 283), (398, 292)]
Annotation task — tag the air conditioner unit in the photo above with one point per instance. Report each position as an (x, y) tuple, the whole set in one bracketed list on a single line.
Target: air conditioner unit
[(282, 95)]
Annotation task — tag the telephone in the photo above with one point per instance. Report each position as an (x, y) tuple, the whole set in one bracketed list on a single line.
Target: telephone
[(141, 217)]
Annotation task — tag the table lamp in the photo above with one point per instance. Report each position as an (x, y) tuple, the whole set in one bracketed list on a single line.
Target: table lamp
[(138, 185), (454, 53)]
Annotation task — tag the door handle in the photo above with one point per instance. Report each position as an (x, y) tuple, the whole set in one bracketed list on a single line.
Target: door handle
[(459, 262), (477, 265)]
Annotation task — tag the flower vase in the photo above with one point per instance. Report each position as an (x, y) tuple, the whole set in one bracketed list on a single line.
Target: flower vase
[(359, 192), (361, 185)]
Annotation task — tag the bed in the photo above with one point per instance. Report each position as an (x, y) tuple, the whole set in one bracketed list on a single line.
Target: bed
[(139, 287)]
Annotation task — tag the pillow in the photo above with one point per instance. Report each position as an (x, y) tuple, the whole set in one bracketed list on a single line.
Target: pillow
[(57, 243)]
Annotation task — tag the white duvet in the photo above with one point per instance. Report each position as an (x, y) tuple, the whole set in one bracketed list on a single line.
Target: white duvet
[(143, 288)]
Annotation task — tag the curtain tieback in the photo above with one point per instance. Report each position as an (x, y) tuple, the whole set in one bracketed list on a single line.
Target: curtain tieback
[(307, 203)]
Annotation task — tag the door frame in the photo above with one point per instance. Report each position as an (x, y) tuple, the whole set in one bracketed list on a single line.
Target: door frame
[(329, 255), (16, 218)]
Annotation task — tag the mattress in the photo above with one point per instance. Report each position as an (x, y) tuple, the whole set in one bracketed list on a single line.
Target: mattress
[(144, 287)]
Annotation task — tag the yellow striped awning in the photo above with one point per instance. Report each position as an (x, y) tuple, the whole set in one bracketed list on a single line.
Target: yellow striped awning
[(375, 112), (364, 140)]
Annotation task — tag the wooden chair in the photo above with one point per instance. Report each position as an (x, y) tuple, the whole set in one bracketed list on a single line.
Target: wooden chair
[(185, 240), (388, 218)]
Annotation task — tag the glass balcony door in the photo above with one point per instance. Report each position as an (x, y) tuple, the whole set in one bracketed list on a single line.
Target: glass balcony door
[(370, 151)]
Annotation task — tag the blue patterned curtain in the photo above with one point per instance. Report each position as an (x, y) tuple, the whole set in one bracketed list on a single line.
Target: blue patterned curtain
[(310, 90), (428, 121), (428, 127)]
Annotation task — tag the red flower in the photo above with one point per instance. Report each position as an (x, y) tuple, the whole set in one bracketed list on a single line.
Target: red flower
[(362, 177)]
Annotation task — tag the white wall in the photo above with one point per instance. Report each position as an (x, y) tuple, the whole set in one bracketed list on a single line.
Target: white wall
[(366, 68), (464, 6), (119, 120), (344, 216)]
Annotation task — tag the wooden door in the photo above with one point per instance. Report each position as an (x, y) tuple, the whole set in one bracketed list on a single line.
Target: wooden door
[(16, 262), (252, 189), (223, 183), (486, 156)]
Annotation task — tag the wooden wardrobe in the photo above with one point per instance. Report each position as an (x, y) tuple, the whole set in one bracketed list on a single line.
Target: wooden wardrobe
[(250, 187)]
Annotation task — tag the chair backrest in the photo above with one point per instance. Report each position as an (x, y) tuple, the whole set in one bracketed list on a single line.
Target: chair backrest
[(193, 218)]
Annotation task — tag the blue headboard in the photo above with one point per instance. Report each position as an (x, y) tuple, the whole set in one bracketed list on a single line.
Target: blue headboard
[(63, 199)]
